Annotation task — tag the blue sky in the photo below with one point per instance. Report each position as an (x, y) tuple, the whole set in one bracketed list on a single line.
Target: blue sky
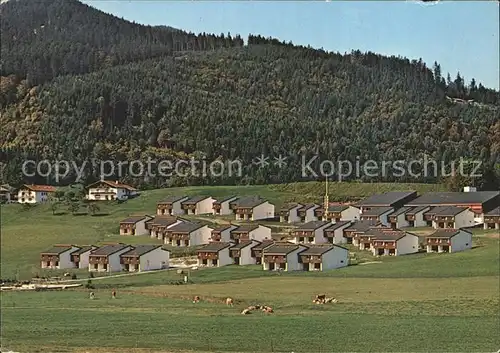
[(462, 36)]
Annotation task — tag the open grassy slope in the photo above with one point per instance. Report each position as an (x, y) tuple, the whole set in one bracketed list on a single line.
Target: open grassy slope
[(25, 233)]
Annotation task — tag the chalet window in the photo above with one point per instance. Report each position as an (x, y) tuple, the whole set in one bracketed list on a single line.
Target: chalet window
[(56, 263), (311, 239), (95, 266), (48, 263), (105, 267), (341, 261)]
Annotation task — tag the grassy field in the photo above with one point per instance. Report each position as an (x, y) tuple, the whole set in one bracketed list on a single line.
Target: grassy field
[(414, 303)]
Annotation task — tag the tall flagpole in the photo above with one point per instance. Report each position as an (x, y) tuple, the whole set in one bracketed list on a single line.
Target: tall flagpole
[(326, 202)]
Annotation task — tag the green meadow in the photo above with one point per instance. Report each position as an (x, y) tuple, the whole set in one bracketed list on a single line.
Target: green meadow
[(414, 303)]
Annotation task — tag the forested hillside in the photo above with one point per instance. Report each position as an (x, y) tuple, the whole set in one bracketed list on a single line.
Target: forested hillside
[(79, 84)]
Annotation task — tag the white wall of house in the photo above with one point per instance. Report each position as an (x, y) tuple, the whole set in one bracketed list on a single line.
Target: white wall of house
[(200, 236), (64, 260), (84, 259), (224, 207), (464, 219), (293, 216), (292, 260), (407, 245), (120, 193), (154, 260), (335, 258), (204, 206), (246, 254), (260, 233), (310, 214), (140, 227), (224, 259), (225, 235), (461, 241), (383, 217), (32, 196), (401, 221), (419, 218), (338, 234), (177, 207), (350, 214), (263, 211)]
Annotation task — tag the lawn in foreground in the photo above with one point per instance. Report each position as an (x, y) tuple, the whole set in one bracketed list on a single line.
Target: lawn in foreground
[(418, 315)]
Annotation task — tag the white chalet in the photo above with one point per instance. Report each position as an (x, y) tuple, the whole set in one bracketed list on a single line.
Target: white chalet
[(106, 190)]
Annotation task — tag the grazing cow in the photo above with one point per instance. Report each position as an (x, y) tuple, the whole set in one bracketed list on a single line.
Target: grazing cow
[(229, 301), (196, 299), (92, 295), (268, 309), (330, 300), (252, 307), (321, 297), (246, 312)]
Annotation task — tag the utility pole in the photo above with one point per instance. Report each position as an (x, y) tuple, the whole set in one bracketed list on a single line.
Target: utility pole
[(326, 201)]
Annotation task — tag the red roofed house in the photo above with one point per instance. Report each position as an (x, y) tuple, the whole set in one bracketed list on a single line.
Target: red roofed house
[(106, 190), (35, 193)]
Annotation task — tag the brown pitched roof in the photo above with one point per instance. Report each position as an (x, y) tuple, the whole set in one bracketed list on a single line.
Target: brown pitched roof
[(241, 245), (415, 210), (281, 248), (194, 200), (245, 228), (337, 208), (313, 225), (84, 249), (140, 250), (224, 199), (214, 247), (446, 233), (134, 219), (222, 228), (319, 249), (361, 226), (163, 221), (308, 206), (376, 211), (493, 212), (336, 226), (186, 227), (107, 250), (450, 211), (289, 206), (40, 188), (57, 249), (171, 199), (263, 244)]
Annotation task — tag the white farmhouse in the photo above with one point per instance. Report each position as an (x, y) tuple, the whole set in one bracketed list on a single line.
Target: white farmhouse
[(106, 190), (198, 205), (393, 242), (307, 213), (453, 217), (337, 213), (58, 257), (253, 209), (145, 258), (449, 240), (187, 234), (282, 257), (250, 232), (323, 257), (35, 193), (334, 233), (222, 233), (107, 258), (289, 213), (80, 257), (310, 233), (222, 206), (241, 253), (214, 254), (134, 225), (171, 206), (415, 216), (377, 214)]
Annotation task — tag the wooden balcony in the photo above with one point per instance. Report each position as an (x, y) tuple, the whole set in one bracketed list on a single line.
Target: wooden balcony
[(393, 219), (409, 217), (75, 258), (247, 211), (208, 256), (256, 253), (216, 236), (284, 213), (310, 259), (275, 259), (428, 217), (243, 235), (302, 213), (491, 219), (438, 241), (299, 233), (98, 260), (164, 206), (189, 207), (127, 226), (49, 258), (129, 261), (319, 213), (235, 253), (384, 245), (178, 236), (444, 219), (216, 206)]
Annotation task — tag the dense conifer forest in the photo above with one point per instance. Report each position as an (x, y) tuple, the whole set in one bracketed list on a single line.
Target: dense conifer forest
[(81, 85)]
